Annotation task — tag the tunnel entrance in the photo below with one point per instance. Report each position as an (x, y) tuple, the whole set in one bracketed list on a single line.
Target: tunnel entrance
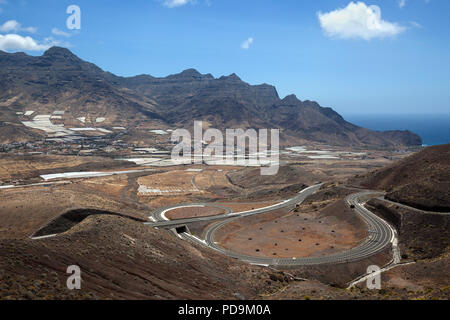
[(182, 229)]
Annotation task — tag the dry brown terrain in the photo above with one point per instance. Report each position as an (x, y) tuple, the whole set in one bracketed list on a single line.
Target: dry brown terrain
[(426, 279), (423, 235), (296, 174), (183, 186), (122, 258), (24, 211), (290, 234), (245, 206), (30, 167), (119, 257), (191, 212), (421, 180)]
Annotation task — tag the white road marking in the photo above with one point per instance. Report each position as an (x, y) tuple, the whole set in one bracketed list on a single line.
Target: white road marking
[(44, 237), (163, 214)]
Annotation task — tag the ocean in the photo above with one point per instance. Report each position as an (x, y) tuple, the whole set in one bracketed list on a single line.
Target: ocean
[(433, 129)]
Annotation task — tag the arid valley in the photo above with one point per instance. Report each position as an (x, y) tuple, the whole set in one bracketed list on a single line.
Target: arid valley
[(98, 222), (207, 159)]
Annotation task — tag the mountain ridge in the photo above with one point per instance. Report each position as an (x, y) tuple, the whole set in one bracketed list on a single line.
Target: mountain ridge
[(60, 80)]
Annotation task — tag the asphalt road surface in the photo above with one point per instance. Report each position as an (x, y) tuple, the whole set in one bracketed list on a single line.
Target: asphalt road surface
[(158, 214), (381, 234)]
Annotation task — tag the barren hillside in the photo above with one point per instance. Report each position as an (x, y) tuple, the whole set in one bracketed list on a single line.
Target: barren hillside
[(421, 180)]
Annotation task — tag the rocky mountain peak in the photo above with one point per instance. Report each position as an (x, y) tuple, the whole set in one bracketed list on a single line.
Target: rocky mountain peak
[(232, 78), (61, 53), (291, 100), (189, 74)]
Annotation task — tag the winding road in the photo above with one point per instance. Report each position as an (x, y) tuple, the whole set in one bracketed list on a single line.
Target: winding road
[(162, 221), (381, 234)]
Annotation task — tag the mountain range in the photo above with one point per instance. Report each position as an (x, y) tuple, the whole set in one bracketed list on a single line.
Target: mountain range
[(59, 80)]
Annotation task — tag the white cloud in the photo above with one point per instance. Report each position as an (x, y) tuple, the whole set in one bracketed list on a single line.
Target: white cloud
[(358, 21), (30, 29), (11, 25), (58, 32), (18, 42), (14, 26), (176, 3), (247, 43), (401, 3)]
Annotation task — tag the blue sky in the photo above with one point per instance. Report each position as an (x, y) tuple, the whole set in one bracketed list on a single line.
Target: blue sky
[(393, 58)]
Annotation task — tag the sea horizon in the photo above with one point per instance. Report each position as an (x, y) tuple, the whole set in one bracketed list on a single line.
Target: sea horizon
[(434, 129)]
